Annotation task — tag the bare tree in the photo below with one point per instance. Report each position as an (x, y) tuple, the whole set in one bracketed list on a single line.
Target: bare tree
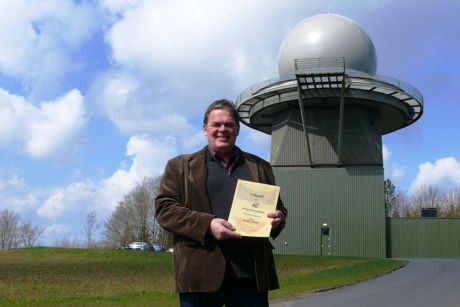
[(425, 197), (451, 203), (68, 243), (164, 238), (141, 200), (90, 229), (407, 208), (134, 217), (159, 234), (9, 229), (118, 229), (29, 234), (446, 202)]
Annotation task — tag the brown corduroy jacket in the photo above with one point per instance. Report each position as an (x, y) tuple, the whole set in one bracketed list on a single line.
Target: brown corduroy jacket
[(182, 207)]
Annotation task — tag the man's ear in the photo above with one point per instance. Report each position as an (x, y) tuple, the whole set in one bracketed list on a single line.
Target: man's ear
[(204, 130)]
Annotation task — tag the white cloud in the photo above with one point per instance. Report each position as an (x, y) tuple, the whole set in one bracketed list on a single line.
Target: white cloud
[(119, 6), (167, 123), (386, 154), (150, 156), (57, 228), (182, 39), (56, 125), (393, 169), (134, 107), (148, 159), (49, 130), (16, 195), (68, 201), (242, 64), (194, 141), (14, 116), (169, 55), (38, 37), (397, 173), (445, 171), (199, 32), (117, 90), (254, 141), (53, 232), (148, 36)]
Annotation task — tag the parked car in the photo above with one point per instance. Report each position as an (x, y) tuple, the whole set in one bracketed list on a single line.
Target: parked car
[(157, 248), (141, 246)]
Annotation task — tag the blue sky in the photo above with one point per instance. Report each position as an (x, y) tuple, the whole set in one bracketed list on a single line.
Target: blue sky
[(95, 95)]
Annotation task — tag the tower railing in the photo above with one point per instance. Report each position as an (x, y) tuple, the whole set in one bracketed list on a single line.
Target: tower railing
[(318, 65)]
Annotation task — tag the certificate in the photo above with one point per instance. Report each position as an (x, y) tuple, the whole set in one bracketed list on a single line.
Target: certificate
[(251, 203)]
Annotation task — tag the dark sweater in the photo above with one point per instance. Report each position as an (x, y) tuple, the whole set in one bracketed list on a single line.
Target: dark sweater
[(221, 185)]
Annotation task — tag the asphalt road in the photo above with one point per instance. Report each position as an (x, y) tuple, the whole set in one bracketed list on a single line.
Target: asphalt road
[(421, 283)]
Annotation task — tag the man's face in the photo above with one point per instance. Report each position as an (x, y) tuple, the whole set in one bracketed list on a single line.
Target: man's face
[(221, 131)]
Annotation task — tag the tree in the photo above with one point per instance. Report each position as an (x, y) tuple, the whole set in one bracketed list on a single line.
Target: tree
[(426, 197), (141, 200), (451, 203), (447, 202), (9, 227), (14, 234), (164, 237), (90, 229), (134, 217), (394, 201), (405, 206), (389, 196), (118, 229), (28, 234)]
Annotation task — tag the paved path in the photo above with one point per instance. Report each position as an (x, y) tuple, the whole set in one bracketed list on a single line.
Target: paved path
[(421, 283)]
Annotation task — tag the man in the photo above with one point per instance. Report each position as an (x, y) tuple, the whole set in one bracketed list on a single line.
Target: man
[(213, 264)]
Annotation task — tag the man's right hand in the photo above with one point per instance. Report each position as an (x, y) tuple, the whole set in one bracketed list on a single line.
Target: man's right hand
[(221, 229)]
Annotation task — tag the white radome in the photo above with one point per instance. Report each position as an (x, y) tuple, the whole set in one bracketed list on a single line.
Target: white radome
[(324, 36)]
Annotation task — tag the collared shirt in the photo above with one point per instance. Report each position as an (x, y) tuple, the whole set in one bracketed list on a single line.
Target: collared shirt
[(228, 164)]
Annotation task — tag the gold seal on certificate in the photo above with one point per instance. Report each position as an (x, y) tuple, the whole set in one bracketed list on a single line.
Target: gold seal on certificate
[(251, 203)]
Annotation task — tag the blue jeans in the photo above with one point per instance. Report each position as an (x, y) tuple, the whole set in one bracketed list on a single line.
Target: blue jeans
[(239, 292)]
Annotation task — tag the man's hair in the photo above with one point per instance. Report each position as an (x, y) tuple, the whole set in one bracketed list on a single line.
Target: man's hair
[(220, 105)]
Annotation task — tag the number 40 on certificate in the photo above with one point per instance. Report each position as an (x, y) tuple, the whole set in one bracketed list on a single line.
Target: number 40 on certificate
[(251, 203)]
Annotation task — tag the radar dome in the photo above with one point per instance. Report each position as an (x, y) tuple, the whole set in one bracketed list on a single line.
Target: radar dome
[(324, 36)]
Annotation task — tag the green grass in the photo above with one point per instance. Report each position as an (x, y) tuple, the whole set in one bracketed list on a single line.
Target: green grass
[(302, 274), (83, 277)]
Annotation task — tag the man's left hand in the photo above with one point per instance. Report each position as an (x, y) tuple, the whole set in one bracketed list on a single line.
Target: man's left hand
[(278, 218)]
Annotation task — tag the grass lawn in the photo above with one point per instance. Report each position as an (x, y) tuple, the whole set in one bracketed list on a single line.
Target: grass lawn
[(87, 277)]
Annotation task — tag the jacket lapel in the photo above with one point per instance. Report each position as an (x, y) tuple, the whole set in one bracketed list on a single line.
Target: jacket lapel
[(196, 181), (252, 165)]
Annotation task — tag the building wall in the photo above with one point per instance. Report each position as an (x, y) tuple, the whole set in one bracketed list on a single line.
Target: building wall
[(319, 146), (423, 238), (349, 200)]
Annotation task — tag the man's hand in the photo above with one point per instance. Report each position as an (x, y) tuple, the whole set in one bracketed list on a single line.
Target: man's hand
[(277, 216), (221, 229)]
